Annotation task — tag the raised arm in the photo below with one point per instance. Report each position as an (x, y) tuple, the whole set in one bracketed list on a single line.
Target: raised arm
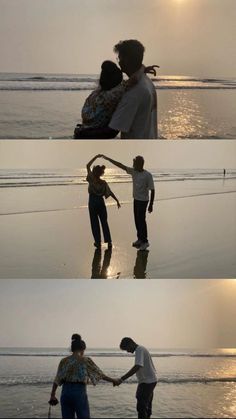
[(116, 163), (91, 162)]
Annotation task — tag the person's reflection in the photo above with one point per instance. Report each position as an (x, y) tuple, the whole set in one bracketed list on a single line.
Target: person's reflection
[(99, 270), (141, 264)]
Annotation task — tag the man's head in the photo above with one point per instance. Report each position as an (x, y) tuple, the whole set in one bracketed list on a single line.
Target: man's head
[(138, 163), (130, 55), (128, 345)]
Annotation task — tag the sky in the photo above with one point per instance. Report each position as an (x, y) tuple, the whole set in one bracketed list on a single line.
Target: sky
[(156, 313), (195, 154), (185, 37)]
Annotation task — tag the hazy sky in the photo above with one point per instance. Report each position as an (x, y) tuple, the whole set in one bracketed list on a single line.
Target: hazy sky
[(157, 313), (158, 154), (188, 37)]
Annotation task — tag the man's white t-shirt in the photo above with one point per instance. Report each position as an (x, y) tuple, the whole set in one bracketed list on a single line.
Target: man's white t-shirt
[(142, 183), (147, 373), (136, 113)]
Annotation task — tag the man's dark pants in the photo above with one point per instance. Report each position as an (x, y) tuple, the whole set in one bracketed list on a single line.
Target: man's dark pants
[(140, 208), (144, 397)]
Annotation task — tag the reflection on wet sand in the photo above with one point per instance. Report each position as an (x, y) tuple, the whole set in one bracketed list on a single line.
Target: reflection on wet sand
[(101, 268)]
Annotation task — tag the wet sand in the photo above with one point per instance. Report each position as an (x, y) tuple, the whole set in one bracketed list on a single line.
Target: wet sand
[(191, 237)]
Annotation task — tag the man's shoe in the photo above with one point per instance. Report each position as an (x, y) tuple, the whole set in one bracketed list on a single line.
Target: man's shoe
[(144, 246), (137, 244)]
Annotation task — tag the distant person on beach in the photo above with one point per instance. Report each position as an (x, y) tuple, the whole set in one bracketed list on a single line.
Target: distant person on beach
[(126, 106), (142, 184), (98, 189), (146, 375), (74, 373)]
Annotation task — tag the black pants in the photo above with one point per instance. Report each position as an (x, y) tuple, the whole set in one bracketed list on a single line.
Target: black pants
[(140, 208), (144, 397), (98, 212)]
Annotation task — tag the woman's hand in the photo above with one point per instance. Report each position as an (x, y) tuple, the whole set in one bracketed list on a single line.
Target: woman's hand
[(53, 401), (150, 69)]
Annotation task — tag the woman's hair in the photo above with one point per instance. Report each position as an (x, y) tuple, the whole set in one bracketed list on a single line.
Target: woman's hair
[(98, 171), (110, 76), (77, 344)]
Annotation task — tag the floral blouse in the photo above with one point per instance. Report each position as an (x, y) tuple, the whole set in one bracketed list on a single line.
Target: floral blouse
[(99, 188), (100, 106), (74, 369)]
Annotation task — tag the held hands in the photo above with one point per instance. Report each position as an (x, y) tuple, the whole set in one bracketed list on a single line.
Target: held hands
[(117, 382)]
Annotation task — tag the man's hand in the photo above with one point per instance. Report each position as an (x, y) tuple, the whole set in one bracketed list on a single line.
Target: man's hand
[(117, 382), (150, 208), (53, 401), (151, 69)]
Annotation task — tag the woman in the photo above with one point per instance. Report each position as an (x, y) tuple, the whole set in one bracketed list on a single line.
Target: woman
[(74, 373), (100, 105), (98, 188)]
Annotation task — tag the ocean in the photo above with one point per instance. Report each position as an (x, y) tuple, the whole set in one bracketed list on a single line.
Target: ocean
[(191, 383), (171, 184), (48, 106)]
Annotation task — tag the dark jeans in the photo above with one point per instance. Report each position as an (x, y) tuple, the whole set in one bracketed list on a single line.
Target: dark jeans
[(144, 397), (98, 211), (74, 401), (140, 208)]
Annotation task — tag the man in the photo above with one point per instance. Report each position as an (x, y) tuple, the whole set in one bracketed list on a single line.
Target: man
[(142, 184), (146, 375), (136, 114)]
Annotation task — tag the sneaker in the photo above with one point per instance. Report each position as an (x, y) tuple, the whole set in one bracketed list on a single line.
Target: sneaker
[(144, 246), (137, 243)]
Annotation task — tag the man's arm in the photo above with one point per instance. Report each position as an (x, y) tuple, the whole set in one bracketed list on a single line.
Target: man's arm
[(150, 207), (116, 163), (94, 133), (127, 375)]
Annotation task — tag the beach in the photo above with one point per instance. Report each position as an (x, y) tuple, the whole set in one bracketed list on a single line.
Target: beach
[(43, 106), (190, 383), (45, 230)]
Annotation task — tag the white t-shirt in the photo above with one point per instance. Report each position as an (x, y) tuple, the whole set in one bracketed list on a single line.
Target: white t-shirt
[(142, 183), (147, 373), (136, 113)]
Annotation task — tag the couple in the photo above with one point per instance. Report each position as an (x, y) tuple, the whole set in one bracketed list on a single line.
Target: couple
[(98, 188), (76, 371), (129, 107)]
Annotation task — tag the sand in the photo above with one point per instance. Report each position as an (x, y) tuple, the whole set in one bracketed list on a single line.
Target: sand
[(192, 237)]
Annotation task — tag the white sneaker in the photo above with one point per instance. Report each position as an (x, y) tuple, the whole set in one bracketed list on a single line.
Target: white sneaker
[(144, 246), (137, 243)]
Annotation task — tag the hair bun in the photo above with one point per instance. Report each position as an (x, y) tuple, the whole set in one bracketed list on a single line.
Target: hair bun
[(76, 337)]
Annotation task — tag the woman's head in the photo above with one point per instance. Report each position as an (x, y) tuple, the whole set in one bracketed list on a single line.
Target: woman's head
[(110, 76), (98, 171), (77, 344)]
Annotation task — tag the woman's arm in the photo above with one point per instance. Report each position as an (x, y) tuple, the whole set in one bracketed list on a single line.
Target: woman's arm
[(91, 162), (115, 198), (53, 400)]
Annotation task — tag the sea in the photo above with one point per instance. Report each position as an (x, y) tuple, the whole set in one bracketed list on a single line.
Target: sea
[(48, 106), (191, 383), (170, 183)]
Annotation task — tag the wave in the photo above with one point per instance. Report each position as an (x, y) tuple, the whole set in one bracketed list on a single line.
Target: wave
[(47, 82), (33, 381)]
